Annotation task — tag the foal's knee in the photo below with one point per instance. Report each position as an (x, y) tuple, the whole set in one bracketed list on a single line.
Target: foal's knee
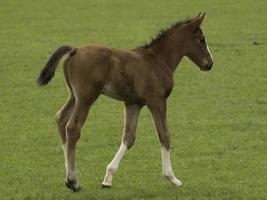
[(129, 142), (165, 140)]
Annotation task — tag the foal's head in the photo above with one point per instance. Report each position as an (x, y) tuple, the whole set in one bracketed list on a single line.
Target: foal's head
[(196, 47)]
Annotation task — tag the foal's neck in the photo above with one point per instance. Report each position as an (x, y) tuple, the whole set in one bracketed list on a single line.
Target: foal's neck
[(171, 48)]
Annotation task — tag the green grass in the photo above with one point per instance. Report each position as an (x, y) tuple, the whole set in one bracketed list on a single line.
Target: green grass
[(217, 119)]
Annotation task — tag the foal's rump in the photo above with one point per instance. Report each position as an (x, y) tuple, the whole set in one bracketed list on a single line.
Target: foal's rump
[(80, 61)]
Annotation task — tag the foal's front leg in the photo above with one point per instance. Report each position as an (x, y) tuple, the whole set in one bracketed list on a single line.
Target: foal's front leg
[(159, 110), (130, 123)]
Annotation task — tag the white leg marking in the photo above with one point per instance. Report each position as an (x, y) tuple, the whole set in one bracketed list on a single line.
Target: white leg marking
[(167, 168), (113, 165)]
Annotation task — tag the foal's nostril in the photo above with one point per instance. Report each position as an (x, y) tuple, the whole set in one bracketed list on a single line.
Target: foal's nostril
[(211, 64), (208, 66)]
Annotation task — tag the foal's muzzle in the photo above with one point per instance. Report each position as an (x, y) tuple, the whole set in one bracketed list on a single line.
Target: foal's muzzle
[(207, 65)]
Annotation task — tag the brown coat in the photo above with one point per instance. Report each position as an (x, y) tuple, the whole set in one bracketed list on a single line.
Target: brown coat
[(141, 76)]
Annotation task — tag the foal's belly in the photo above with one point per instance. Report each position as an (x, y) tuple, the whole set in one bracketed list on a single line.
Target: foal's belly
[(120, 91), (110, 91)]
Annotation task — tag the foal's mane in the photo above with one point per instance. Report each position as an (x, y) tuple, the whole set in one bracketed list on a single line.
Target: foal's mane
[(163, 32)]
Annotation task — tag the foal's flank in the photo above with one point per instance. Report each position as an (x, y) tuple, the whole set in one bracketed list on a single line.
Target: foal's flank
[(139, 77)]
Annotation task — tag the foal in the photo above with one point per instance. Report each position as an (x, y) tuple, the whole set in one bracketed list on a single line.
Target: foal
[(139, 77)]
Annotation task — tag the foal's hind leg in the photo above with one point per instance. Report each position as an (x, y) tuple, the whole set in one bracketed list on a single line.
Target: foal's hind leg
[(64, 114), (62, 117), (73, 128), (130, 124)]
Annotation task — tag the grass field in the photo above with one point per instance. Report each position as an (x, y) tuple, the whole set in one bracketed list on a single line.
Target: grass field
[(217, 119)]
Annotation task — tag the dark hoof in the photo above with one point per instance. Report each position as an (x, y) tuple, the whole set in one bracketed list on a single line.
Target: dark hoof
[(72, 185), (106, 186)]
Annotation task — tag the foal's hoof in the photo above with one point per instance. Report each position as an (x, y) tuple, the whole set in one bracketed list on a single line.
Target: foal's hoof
[(104, 186), (174, 181), (72, 185)]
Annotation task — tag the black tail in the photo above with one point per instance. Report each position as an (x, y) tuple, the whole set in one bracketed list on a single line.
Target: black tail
[(49, 69)]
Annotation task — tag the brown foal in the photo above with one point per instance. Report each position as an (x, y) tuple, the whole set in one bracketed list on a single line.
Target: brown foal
[(141, 76)]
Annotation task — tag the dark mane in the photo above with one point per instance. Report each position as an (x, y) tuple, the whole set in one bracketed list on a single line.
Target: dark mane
[(163, 32)]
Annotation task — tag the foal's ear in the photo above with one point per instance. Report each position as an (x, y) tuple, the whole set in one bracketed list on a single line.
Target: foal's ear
[(197, 21)]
